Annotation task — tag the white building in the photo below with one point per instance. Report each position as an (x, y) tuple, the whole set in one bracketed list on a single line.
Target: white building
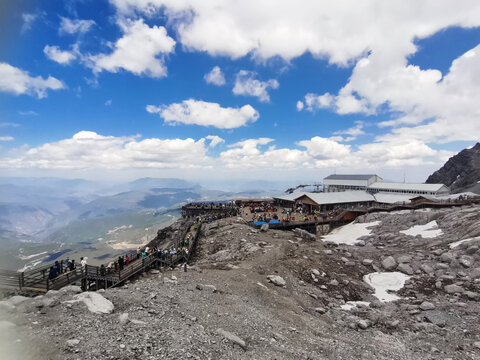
[(349, 182), (408, 188)]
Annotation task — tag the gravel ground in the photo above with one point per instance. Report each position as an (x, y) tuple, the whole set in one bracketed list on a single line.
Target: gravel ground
[(272, 295)]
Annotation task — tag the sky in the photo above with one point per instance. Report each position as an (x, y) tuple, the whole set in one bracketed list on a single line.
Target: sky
[(225, 89)]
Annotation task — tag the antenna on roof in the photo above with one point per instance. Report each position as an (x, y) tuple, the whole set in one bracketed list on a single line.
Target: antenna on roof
[(404, 175)]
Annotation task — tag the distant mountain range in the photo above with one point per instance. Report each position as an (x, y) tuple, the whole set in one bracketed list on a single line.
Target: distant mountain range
[(461, 172), (31, 209)]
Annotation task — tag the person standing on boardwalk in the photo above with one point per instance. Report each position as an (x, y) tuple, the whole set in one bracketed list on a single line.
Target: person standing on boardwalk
[(127, 260), (120, 262)]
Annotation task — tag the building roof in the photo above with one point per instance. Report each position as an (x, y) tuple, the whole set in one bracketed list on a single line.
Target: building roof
[(349, 177), (405, 186), (343, 197), (290, 197)]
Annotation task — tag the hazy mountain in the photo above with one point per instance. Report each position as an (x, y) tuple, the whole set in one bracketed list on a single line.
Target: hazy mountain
[(461, 172)]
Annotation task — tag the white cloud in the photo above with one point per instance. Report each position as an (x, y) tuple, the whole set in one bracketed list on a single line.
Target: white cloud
[(6, 138), (17, 81), (28, 20), (377, 37), (28, 113), (300, 105), (60, 56), (89, 150), (140, 50), (246, 84), (354, 132), (197, 112), (8, 124), (75, 26), (215, 77), (214, 140)]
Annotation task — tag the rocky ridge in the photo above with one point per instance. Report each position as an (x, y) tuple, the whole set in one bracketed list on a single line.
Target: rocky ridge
[(461, 172)]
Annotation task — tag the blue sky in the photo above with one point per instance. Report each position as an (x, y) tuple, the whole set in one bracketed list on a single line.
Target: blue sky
[(298, 89)]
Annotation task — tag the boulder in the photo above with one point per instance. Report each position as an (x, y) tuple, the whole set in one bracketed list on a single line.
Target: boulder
[(426, 305), (427, 269), (404, 259), (466, 261), (452, 289), (95, 302), (264, 227), (389, 263), (277, 280), (405, 268)]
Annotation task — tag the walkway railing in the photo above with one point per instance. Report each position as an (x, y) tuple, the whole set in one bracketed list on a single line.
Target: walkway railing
[(37, 280)]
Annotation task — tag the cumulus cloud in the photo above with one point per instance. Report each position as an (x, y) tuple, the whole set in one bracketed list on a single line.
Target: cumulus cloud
[(246, 84), (376, 37), (141, 50), (89, 150), (214, 140), (215, 77), (197, 112), (75, 26), (63, 57), (17, 81)]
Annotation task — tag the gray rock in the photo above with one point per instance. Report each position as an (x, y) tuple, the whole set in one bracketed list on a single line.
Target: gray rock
[(447, 257), (389, 263), (360, 243), (367, 262), (123, 318), (466, 261), (427, 269), (71, 289), (277, 280), (334, 282), (73, 342), (405, 268), (404, 259), (320, 310), (452, 289), (471, 295), (363, 324), (425, 306), (315, 272), (232, 337), (264, 227), (304, 234)]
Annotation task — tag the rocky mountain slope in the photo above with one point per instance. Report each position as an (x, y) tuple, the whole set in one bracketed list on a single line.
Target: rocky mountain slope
[(461, 172), (274, 295)]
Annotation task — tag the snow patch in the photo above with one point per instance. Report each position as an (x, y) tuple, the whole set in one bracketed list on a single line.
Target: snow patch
[(22, 257), (457, 243), (429, 230), (384, 282), (351, 233), (349, 305)]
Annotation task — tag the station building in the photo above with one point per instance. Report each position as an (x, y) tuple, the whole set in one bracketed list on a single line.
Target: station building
[(347, 182)]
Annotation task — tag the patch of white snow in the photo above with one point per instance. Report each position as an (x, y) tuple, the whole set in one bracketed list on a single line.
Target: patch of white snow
[(429, 230), (351, 233), (383, 282), (457, 243), (349, 305)]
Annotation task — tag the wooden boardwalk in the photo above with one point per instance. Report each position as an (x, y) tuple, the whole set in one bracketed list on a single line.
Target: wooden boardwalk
[(95, 277)]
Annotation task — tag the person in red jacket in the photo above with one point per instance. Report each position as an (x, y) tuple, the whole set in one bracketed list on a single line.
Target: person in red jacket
[(127, 260)]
